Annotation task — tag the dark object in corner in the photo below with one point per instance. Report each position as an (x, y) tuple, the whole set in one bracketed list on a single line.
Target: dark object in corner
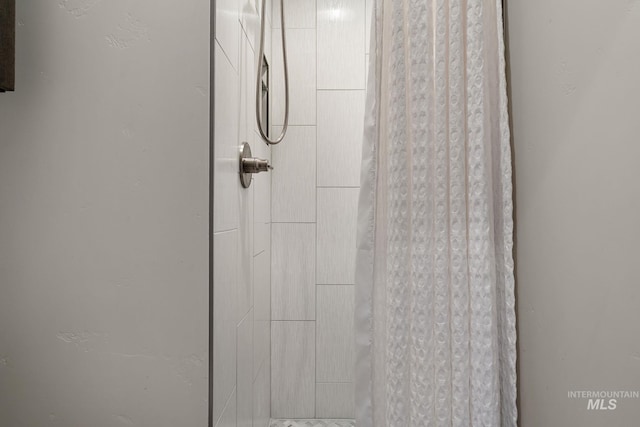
[(7, 44)]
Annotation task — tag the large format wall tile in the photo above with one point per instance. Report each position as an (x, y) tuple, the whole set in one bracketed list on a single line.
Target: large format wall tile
[(261, 237), (335, 336), (228, 416), (293, 271), (294, 176), (298, 14), (262, 201), (337, 220), (250, 21), (247, 94), (341, 43), (301, 54), (224, 321), (245, 251), (242, 328), (261, 345), (261, 184), (261, 309), (340, 130), (367, 26), (317, 172), (244, 374), (262, 397), (262, 285), (293, 369), (366, 68), (226, 145), (228, 31), (335, 400)]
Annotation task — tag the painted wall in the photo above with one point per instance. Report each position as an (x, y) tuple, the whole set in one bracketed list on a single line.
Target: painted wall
[(241, 336), (104, 216), (315, 191), (576, 101)]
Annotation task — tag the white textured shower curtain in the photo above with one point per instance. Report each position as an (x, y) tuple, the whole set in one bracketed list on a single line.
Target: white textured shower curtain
[(435, 320)]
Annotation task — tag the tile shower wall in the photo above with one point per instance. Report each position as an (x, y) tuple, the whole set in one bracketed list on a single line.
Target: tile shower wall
[(315, 187), (242, 229)]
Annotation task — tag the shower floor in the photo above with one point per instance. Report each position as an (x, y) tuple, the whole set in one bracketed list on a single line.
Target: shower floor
[(312, 423)]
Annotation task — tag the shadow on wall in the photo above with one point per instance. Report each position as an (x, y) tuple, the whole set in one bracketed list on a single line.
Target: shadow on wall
[(505, 17), (7, 44)]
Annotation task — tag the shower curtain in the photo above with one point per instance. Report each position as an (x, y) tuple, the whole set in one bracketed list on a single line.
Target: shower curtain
[(435, 320)]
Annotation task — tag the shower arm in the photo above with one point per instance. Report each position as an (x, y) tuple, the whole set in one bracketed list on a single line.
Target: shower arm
[(263, 133)]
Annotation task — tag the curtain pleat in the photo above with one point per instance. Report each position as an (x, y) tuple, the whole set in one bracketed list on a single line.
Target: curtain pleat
[(435, 318)]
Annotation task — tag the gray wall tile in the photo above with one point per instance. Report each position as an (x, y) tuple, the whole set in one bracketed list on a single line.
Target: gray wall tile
[(335, 336), (293, 369), (226, 147), (298, 14), (340, 133), (337, 222), (224, 322), (341, 44), (244, 374), (262, 396), (293, 272), (294, 176), (335, 400), (245, 251), (301, 54), (261, 310), (228, 416)]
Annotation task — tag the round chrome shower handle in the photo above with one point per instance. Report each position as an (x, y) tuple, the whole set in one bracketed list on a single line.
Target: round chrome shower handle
[(254, 165), (250, 165)]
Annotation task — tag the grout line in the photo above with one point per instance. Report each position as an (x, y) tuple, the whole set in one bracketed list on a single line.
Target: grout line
[(211, 231), (315, 249), (315, 360), (224, 52), (234, 390), (270, 308), (257, 373), (244, 317)]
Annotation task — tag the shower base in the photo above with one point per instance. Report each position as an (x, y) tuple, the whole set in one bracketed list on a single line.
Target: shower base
[(312, 423)]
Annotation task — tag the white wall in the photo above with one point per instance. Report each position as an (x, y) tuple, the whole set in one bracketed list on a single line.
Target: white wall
[(576, 101), (241, 263), (104, 216), (315, 191)]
